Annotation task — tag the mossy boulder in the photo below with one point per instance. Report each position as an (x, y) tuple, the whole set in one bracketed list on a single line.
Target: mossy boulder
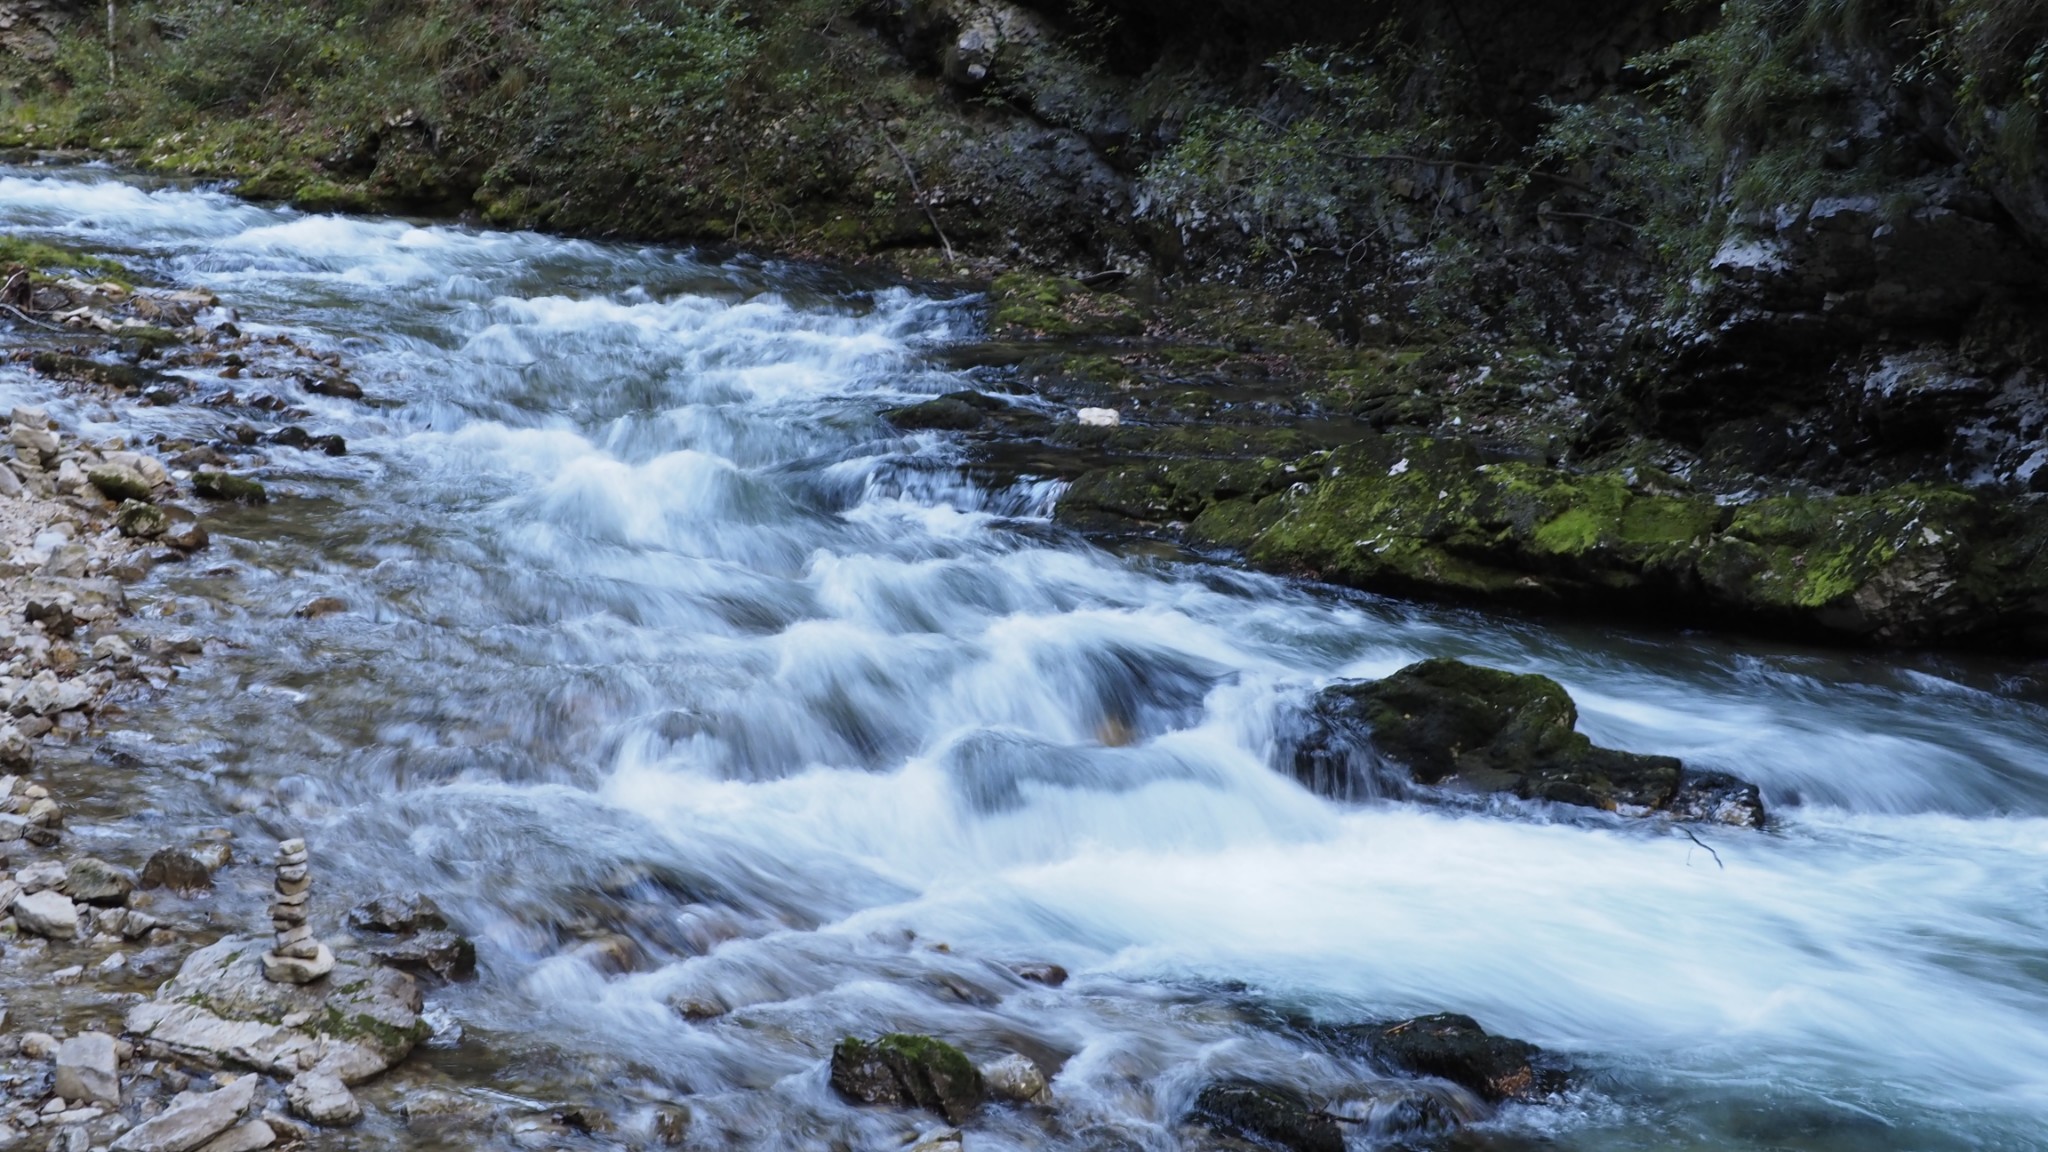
[(227, 486), (1267, 1115), (1452, 1047), (120, 482), (1452, 724), (907, 1069), (138, 520), (60, 366)]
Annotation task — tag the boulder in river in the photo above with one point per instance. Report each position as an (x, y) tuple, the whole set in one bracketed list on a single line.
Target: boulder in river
[(901, 1068), (1267, 1115), (1452, 1047), (179, 869), (91, 880), (1483, 730), (227, 486), (356, 1023), (322, 1098), (47, 913)]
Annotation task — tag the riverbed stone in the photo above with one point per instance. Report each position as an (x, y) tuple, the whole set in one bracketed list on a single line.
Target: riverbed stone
[(440, 952), (397, 913), (1016, 1077), (1476, 729), (120, 483), (88, 1069), (192, 1120), (357, 1023), (41, 875), (1454, 1047), (91, 880), (322, 1098), (47, 913), (179, 869), (1269, 1115), (903, 1068)]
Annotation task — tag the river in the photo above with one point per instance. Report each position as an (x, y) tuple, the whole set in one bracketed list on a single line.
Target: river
[(675, 674)]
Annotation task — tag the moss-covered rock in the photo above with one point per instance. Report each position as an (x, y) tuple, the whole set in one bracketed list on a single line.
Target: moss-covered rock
[(119, 482), (1911, 564), (141, 521), (227, 486), (964, 411), (1271, 1116), (59, 366), (907, 1069), (1480, 729)]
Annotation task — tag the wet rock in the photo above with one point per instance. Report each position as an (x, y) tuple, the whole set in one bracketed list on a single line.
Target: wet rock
[(179, 869), (1098, 418), (39, 1046), (435, 1110), (397, 914), (120, 483), (953, 412), (900, 1068), (139, 521), (88, 1069), (1016, 1077), (1050, 975), (323, 1099), (1277, 1117), (671, 1125), (226, 486), (94, 881), (191, 1121), (440, 952), (320, 606), (355, 1024), (249, 1137), (1717, 798), (1484, 730), (47, 913), (41, 875), (1455, 1048)]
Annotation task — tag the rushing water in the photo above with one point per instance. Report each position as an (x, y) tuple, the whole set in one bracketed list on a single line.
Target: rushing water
[(665, 654)]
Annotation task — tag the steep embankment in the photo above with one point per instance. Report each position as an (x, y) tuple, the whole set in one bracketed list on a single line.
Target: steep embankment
[(1724, 314)]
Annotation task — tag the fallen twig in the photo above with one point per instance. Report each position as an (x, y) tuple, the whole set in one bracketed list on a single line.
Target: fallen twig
[(25, 317), (1703, 844), (917, 190)]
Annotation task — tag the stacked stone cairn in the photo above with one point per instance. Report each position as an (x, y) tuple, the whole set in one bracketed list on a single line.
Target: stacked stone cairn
[(298, 958)]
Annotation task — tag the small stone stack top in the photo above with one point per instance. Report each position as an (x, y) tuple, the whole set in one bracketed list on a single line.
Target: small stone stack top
[(297, 957)]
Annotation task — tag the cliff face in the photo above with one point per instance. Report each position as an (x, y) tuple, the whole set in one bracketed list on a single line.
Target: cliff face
[(1789, 248)]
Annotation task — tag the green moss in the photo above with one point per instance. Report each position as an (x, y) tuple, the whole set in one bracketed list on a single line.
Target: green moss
[(225, 486), (49, 259), (364, 1028), (1055, 306)]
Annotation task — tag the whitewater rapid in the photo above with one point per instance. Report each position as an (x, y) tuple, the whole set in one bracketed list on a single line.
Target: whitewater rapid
[(657, 632)]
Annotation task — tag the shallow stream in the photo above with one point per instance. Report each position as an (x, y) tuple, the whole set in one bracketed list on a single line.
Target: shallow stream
[(678, 677)]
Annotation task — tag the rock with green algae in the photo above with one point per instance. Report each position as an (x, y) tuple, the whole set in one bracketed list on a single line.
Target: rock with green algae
[(1914, 564), (354, 1024), (908, 1069), (227, 486), (141, 521), (1480, 729), (120, 482)]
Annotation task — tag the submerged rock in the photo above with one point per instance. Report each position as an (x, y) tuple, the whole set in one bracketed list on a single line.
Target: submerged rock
[(1277, 1117), (225, 486), (1017, 1077), (1484, 730), (1455, 1048), (901, 1068)]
